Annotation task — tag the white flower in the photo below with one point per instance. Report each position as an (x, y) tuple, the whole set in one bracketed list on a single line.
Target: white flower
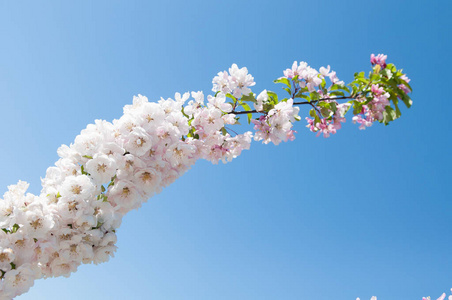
[(152, 114), (125, 195), (6, 258), (261, 99), (139, 142), (103, 254), (180, 154), (179, 122), (325, 71), (219, 101), (20, 280), (37, 220), (87, 143), (221, 83), (62, 267), (147, 180), (242, 81), (210, 119), (101, 168), (78, 187)]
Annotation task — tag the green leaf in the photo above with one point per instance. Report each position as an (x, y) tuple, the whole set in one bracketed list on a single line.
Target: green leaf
[(397, 110), (223, 131), (363, 80), (314, 96), (283, 80), (391, 112), (339, 87), (273, 96), (359, 75), (247, 108), (391, 67), (407, 100), (322, 85), (13, 266), (374, 77), (301, 94), (288, 90), (388, 115), (333, 107), (102, 188), (357, 107), (249, 98), (87, 156), (312, 113), (355, 90), (15, 228), (337, 93), (232, 97)]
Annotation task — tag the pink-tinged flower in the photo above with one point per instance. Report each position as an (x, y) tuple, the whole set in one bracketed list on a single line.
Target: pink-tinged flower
[(327, 127), (442, 297), (325, 71), (221, 83), (241, 81), (19, 280), (219, 101), (377, 90), (291, 135), (296, 69), (262, 129), (364, 121), (402, 86), (380, 59), (405, 78)]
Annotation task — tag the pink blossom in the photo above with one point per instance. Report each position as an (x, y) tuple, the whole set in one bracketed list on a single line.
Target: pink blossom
[(380, 59)]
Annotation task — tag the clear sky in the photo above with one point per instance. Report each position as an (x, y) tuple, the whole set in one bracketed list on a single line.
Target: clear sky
[(359, 214)]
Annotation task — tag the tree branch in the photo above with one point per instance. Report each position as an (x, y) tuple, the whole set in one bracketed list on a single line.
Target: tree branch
[(295, 103)]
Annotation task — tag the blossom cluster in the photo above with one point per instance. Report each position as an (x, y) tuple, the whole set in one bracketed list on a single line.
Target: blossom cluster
[(374, 109), (109, 169), (276, 126), (305, 76), (114, 167), (371, 97), (237, 82), (332, 122)]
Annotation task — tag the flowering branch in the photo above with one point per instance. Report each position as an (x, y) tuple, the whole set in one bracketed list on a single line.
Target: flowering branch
[(112, 168)]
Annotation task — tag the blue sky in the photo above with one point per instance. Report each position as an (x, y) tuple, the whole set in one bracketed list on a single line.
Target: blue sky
[(359, 214)]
